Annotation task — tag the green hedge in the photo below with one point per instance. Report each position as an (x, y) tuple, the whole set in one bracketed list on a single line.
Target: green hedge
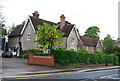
[(24, 54), (35, 51), (118, 54), (69, 57)]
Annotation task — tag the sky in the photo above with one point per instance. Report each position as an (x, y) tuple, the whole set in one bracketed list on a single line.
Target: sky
[(82, 13)]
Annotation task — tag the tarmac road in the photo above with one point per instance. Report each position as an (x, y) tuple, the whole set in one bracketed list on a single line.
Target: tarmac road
[(103, 74)]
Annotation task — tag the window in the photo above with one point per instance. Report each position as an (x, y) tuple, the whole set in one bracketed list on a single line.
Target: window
[(72, 40), (87, 48), (72, 49), (28, 36), (98, 49)]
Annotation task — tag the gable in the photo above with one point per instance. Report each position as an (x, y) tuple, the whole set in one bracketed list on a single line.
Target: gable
[(99, 44)]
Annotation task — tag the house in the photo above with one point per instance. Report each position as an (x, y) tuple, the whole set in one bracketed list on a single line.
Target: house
[(89, 44), (24, 35), (3, 38), (117, 42)]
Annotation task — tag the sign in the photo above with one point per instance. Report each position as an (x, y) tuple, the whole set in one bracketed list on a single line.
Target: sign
[(42, 56)]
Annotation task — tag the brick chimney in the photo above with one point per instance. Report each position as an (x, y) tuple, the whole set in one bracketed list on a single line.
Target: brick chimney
[(35, 14), (62, 21)]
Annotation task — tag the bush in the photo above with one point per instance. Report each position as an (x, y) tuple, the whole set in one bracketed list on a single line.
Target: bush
[(118, 54), (69, 57), (35, 51), (98, 52), (24, 54)]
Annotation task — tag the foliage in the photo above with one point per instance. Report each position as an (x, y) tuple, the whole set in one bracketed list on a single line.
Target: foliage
[(98, 52), (62, 48), (11, 28), (48, 36), (92, 32), (108, 45), (34, 51), (24, 54), (69, 57), (116, 50), (83, 51), (2, 20)]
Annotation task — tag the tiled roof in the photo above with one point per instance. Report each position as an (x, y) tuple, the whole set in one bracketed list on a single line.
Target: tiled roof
[(66, 29), (16, 31), (87, 41), (35, 21)]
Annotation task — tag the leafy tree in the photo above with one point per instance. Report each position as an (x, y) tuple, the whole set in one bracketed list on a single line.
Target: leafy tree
[(2, 20), (108, 44), (48, 36), (92, 32)]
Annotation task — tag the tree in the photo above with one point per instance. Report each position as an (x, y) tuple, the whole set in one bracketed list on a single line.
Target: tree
[(11, 28), (48, 36), (108, 44), (92, 32), (2, 20)]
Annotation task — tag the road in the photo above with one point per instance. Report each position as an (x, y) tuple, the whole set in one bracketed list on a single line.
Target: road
[(102, 75)]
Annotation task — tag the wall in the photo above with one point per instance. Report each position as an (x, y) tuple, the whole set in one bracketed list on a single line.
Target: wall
[(41, 59), (27, 44), (99, 46), (80, 46), (12, 41), (74, 45), (89, 48)]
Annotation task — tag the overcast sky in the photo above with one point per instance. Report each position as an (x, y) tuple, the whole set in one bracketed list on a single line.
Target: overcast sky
[(83, 13)]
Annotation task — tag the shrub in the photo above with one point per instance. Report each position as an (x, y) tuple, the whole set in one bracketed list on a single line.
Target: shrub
[(24, 54), (35, 51), (118, 54), (98, 52), (69, 57)]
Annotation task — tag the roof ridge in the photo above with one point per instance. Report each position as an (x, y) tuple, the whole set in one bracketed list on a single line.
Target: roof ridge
[(43, 19)]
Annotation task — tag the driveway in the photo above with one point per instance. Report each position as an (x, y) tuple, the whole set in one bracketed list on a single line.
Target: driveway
[(18, 65)]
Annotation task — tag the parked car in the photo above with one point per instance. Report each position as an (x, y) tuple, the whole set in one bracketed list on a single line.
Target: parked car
[(7, 54)]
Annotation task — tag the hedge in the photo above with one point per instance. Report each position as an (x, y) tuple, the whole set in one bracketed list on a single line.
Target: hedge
[(24, 54), (69, 57), (118, 54)]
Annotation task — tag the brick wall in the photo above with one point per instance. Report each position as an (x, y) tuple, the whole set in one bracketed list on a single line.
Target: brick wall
[(41, 59)]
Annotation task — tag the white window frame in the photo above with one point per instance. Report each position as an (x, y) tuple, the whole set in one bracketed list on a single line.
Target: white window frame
[(72, 40), (28, 36)]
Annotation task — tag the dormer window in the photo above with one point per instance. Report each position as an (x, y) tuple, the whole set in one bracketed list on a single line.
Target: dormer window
[(28, 36)]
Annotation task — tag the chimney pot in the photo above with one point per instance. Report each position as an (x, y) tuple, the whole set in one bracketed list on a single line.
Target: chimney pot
[(35, 14)]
